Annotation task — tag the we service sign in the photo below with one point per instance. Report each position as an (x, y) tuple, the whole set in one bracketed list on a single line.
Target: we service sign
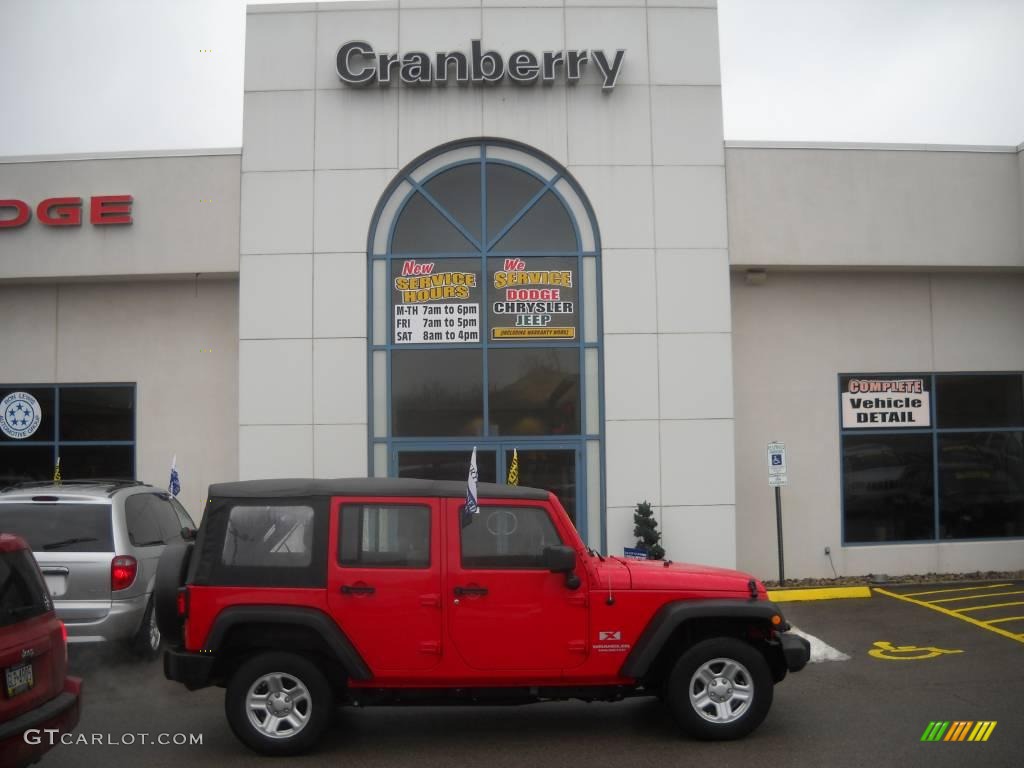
[(885, 404)]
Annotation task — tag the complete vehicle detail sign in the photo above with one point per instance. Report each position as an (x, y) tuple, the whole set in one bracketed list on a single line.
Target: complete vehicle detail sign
[(885, 403), (360, 65)]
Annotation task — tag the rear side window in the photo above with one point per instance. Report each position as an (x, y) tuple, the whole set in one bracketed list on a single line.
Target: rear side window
[(141, 519), (269, 536), (47, 526), (507, 537), (384, 536), (22, 591)]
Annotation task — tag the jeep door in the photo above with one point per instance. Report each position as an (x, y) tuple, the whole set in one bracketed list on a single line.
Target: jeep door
[(505, 610), (384, 580)]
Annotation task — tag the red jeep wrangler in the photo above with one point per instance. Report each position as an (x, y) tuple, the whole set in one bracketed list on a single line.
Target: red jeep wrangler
[(302, 594)]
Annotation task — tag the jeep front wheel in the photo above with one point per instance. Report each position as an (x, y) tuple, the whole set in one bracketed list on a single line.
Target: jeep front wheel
[(720, 689), (278, 703)]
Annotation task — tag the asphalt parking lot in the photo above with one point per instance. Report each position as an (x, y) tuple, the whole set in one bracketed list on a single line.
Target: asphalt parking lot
[(869, 710)]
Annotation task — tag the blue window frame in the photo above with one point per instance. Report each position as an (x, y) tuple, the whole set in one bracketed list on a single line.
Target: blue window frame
[(89, 427), (503, 239), (949, 469)]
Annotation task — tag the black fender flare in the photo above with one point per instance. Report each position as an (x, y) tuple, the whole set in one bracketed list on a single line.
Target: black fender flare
[(671, 615), (310, 618)]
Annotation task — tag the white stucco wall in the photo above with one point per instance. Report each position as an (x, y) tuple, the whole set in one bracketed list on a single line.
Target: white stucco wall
[(175, 339), (875, 207), (791, 337), (649, 154), (184, 217)]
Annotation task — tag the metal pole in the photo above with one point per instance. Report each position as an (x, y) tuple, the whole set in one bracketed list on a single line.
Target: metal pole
[(778, 524)]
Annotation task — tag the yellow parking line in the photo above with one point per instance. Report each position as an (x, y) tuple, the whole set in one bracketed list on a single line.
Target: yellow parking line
[(975, 597), (982, 607), (1019, 638), (1008, 618), (958, 589)]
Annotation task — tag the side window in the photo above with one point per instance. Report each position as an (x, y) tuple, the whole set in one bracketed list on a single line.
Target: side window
[(270, 536), (507, 537), (143, 524), (384, 536), (184, 518), (167, 518)]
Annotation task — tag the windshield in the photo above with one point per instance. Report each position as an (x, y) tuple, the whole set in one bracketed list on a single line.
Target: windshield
[(47, 526)]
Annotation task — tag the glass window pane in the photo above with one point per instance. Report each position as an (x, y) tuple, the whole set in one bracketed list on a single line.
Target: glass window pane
[(436, 392), (446, 465), (375, 536), (97, 413), (269, 537), (458, 191), (141, 515), (508, 190), (545, 227), (888, 488), (991, 400), (422, 229), (534, 391), (25, 419), (20, 463), (533, 299), (981, 485), (551, 470), (507, 537), (590, 299), (88, 462)]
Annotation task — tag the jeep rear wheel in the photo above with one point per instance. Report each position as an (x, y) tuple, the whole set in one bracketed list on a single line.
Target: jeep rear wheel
[(720, 689), (278, 703)]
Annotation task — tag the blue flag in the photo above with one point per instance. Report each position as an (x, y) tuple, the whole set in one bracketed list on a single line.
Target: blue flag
[(472, 507), (175, 485)]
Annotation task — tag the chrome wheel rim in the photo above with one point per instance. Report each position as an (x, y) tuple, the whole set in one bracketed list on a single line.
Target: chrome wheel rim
[(278, 705), (721, 691), (154, 632)]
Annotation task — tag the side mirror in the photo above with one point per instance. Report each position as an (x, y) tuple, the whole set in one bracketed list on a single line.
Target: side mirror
[(559, 559), (188, 534)]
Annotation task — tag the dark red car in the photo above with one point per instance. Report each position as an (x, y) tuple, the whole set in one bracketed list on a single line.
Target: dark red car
[(37, 694)]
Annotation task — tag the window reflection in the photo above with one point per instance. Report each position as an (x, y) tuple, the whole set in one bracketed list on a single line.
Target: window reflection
[(981, 485), (534, 391)]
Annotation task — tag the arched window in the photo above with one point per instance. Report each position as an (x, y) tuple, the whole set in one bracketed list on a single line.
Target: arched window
[(485, 324)]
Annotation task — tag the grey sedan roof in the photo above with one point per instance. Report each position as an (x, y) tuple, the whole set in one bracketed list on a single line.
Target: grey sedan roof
[(367, 486)]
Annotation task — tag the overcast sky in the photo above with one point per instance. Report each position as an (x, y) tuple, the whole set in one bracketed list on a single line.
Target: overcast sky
[(110, 75)]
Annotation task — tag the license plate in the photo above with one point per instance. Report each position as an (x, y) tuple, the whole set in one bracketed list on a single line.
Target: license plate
[(19, 679)]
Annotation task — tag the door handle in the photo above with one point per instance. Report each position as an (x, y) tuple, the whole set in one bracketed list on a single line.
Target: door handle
[(463, 591), (348, 589)]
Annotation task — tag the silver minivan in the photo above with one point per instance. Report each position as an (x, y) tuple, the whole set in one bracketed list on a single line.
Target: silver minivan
[(98, 543)]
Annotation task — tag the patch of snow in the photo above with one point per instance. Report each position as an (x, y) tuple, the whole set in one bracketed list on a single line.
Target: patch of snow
[(820, 650)]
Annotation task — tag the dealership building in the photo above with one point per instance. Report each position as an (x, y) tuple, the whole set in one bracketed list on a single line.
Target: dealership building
[(516, 227)]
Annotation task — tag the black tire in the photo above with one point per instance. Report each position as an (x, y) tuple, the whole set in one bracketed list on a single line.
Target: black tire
[(171, 571), (148, 641), (296, 672), (725, 714)]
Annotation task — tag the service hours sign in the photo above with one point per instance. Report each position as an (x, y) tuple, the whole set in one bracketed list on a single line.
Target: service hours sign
[(436, 302)]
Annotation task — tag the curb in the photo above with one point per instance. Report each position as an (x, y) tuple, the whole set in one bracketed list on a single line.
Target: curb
[(817, 593)]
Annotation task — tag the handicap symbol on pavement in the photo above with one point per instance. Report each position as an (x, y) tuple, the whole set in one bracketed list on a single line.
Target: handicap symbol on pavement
[(890, 652)]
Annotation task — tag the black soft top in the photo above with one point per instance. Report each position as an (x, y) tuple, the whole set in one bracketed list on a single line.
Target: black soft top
[(367, 486)]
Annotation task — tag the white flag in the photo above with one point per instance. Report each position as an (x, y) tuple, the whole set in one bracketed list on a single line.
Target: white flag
[(472, 507)]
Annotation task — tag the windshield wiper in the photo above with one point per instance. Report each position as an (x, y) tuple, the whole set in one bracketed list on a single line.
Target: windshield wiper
[(68, 542), (593, 552), (150, 543)]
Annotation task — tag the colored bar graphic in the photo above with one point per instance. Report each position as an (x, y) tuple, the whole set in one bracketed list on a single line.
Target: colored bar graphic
[(958, 730)]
